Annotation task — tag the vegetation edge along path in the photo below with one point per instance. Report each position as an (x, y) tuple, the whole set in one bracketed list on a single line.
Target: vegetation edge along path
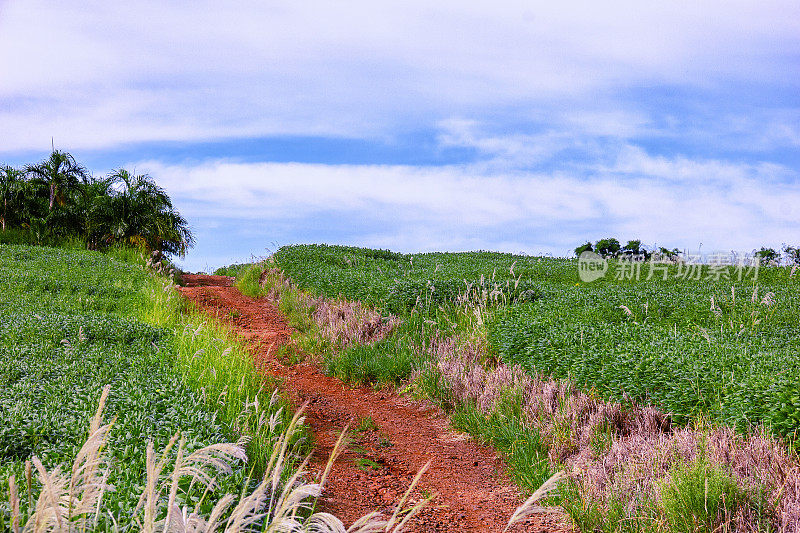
[(76, 323), (631, 469), (391, 437)]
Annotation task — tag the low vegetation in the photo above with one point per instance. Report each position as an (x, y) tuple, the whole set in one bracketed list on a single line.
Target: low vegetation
[(631, 383), (185, 435), (721, 348), (72, 322), (668, 401)]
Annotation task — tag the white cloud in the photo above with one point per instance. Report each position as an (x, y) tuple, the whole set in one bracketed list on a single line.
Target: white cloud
[(98, 74), (632, 160), (589, 132), (508, 150), (458, 194), (624, 123), (468, 207)]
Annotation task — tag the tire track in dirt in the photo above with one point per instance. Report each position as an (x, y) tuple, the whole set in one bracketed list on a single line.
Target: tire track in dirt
[(472, 493)]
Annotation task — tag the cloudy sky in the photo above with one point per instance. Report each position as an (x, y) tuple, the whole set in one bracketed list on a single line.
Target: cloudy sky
[(515, 126)]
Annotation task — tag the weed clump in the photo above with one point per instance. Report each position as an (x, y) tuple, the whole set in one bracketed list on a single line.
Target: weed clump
[(700, 497)]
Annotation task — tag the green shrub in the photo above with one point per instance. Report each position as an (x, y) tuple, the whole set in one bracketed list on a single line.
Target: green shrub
[(699, 497)]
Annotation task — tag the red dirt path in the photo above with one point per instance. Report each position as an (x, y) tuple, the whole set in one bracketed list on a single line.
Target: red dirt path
[(472, 493)]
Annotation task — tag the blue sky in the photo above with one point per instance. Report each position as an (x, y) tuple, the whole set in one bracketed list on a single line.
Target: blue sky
[(514, 126)]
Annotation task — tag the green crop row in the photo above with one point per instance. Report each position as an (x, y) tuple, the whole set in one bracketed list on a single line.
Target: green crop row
[(724, 350), (72, 322), (51, 374), (717, 346), (402, 283)]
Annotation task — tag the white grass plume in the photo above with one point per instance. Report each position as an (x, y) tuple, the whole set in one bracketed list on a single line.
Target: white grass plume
[(13, 501), (280, 503), (529, 506), (393, 525), (69, 503)]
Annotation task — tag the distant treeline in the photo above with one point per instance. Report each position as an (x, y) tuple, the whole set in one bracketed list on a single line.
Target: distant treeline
[(58, 199), (611, 248)]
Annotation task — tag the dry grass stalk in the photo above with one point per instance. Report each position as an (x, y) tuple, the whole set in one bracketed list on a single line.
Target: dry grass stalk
[(13, 500), (73, 503), (275, 281), (395, 526), (529, 507), (339, 321)]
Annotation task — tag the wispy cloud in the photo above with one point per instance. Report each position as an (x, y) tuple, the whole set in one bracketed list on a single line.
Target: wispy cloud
[(634, 161), (467, 206), (97, 74)]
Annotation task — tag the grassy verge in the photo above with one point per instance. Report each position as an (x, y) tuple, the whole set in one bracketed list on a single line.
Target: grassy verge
[(212, 360), (74, 321)]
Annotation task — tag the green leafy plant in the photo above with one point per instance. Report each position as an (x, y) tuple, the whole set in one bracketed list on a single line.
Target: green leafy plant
[(700, 497)]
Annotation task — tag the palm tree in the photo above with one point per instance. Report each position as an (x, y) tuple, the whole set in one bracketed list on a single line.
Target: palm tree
[(143, 215), (60, 173), (92, 209), (11, 183), (172, 235)]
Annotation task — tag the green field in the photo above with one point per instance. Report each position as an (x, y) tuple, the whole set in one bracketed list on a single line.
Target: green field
[(650, 341), (72, 322)]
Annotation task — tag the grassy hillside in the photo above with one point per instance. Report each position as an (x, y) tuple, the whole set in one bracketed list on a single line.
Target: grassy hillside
[(725, 348), (72, 322), (629, 383)]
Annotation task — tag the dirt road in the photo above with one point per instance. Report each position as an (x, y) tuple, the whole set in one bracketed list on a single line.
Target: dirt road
[(396, 436)]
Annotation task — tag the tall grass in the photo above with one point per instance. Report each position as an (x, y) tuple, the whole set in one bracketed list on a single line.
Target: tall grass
[(281, 499), (700, 497), (213, 360)]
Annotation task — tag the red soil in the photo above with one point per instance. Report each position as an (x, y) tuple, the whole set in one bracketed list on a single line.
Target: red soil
[(472, 491)]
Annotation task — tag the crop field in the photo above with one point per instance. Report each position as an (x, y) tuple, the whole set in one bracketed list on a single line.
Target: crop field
[(725, 349), (71, 323)]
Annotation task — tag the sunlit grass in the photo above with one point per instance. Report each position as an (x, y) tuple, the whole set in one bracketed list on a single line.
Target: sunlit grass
[(509, 365)]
